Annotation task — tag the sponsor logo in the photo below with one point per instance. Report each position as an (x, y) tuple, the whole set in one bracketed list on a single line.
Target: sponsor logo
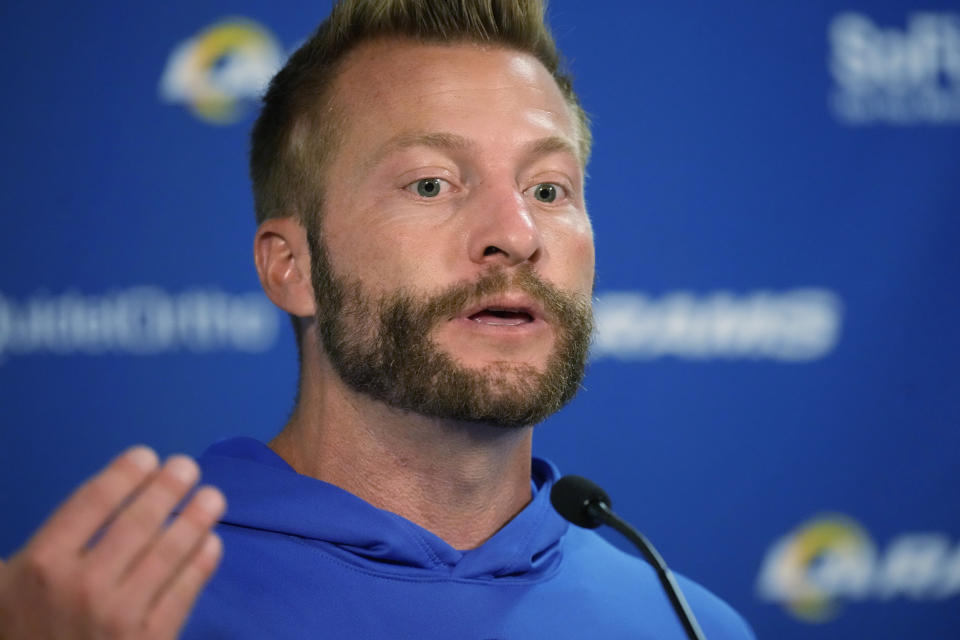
[(832, 559), (791, 326), (895, 76), (221, 70), (139, 320)]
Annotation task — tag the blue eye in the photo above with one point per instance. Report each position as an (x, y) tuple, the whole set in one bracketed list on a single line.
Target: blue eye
[(428, 187), (546, 192)]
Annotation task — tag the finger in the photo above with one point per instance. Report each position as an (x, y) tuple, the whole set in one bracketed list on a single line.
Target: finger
[(171, 609), (159, 565), (135, 527), (75, 522)]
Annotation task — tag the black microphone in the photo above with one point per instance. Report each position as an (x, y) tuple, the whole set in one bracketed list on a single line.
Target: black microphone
[(585, 504)]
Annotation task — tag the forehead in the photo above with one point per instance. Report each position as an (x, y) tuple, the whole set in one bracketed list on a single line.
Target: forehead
[(489, 92)]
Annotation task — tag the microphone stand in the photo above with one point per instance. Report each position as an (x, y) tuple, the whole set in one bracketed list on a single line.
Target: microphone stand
[(601, 512)]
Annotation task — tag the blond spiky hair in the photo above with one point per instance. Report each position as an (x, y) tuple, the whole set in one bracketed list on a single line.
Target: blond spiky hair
[(295, 135)]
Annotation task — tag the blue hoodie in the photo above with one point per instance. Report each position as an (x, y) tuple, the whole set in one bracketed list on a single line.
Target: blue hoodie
[(306, 559)]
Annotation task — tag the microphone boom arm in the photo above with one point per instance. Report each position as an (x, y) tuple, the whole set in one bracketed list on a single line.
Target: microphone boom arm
[(600, 510)]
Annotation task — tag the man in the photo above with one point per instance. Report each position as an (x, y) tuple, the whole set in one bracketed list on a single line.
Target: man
[(418, 173)]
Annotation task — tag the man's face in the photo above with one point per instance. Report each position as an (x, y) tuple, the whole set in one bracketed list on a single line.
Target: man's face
[(454, 264)]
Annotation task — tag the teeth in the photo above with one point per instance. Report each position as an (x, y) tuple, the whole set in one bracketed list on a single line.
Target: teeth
[(500, 322)]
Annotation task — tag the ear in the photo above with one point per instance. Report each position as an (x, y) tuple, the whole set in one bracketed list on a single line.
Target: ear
[(282, 256)]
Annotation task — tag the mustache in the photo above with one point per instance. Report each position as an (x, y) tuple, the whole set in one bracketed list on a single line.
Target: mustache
[(560, 306)]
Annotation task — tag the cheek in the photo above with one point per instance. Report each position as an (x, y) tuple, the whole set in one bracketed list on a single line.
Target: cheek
[(574, 254), (586, 264), (383, 257)]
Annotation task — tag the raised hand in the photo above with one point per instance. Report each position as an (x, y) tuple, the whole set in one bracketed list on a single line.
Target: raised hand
[(108, 563)]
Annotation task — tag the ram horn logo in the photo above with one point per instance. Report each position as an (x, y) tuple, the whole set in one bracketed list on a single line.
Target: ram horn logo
[(217, 72), (831, 559), (805, 568)]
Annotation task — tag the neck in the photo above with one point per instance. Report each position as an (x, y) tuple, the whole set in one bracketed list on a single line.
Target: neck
[(461, 481)]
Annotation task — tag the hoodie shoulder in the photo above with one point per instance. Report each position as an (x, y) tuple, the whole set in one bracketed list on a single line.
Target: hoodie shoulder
[(632, 582)]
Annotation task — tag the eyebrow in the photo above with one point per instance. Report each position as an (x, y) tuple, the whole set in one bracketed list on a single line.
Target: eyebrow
[(433, 140), (552, 144), (445, 141)]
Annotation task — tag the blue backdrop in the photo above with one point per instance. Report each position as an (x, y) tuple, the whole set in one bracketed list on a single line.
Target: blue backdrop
[(774, 395)]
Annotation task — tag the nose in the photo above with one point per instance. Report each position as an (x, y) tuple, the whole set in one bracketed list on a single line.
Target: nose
[(503, 230)]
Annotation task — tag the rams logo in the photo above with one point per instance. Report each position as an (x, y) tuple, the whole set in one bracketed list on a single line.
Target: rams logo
[(219, 71), (802, 570), (831, 559)]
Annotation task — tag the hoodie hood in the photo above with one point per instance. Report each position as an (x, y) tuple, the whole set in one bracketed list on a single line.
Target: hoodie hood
[(253, 477)]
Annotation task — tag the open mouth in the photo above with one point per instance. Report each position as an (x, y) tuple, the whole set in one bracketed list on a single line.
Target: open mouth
[(502, 317)]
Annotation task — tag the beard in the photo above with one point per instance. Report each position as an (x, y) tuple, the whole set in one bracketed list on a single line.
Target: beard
[(381, 346)]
